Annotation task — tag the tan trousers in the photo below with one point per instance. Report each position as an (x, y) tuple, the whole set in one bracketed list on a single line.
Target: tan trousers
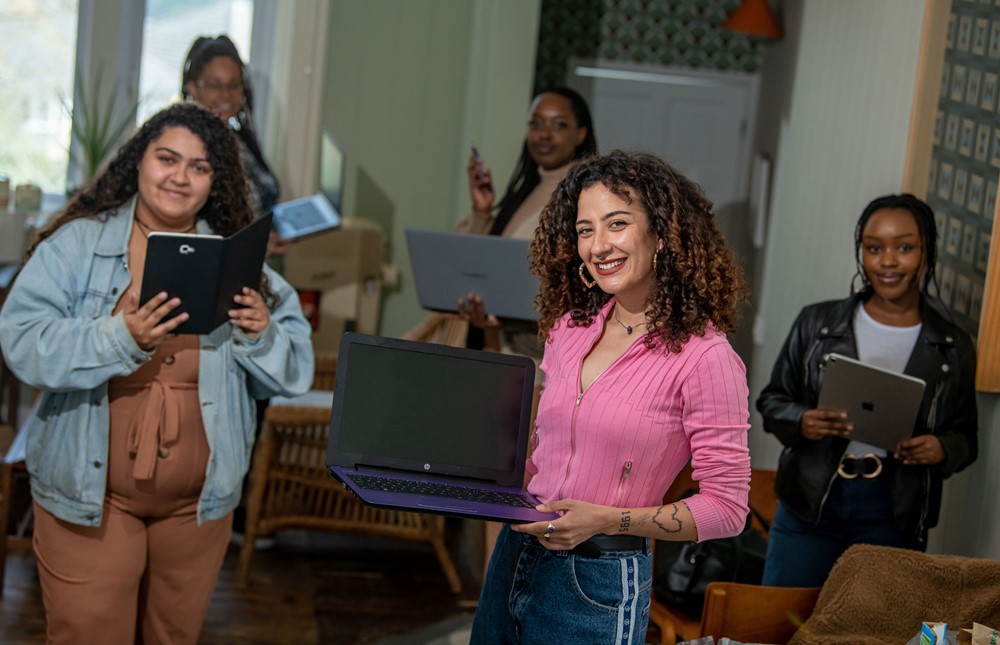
[(129, 580)]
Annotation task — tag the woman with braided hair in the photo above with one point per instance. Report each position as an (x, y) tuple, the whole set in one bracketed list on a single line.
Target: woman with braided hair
[(834, 491)]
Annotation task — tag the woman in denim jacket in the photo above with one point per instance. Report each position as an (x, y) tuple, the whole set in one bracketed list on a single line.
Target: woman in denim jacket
[(142, 438)]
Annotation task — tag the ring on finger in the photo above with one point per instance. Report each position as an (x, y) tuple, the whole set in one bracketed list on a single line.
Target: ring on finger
[(546, 537), (550, 528)]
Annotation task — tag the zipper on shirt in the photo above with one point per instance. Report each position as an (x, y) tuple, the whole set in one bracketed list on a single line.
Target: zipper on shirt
[(621, 482), (926, 476), (572, 444), (576, 411)]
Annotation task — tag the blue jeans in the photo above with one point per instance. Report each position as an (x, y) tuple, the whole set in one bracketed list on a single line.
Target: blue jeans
[(533, 595), (857, 511)]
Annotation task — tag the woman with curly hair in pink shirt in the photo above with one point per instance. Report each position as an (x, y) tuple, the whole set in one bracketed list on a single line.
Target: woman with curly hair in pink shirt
[(637, 291)]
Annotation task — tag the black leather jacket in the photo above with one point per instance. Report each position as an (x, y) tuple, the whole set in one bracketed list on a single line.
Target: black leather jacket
[(944, 357)]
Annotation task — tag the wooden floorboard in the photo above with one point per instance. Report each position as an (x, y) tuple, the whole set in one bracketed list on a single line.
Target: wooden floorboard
[(310, 588)]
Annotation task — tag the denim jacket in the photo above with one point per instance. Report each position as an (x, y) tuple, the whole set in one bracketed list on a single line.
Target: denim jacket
[(58, 334)]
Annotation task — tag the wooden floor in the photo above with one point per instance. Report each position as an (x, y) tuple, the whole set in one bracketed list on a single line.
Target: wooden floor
[(309, 588)]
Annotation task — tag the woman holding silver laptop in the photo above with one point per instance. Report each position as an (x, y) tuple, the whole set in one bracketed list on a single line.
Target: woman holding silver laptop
[(834, 491), (560, 131)]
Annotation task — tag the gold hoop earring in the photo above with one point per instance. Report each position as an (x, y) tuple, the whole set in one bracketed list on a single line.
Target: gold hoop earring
[(655, 253), (586, 283)]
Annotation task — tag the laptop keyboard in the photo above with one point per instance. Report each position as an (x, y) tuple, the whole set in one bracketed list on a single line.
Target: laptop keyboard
[(467, 493)]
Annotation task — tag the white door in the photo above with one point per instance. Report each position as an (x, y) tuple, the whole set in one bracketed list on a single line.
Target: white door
[(698, 122)]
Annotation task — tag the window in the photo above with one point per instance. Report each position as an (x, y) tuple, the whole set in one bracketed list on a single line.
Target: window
[(169, 29), (37, 54)]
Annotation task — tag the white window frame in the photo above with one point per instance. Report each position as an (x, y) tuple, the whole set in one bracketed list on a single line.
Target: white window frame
[(109, 38)]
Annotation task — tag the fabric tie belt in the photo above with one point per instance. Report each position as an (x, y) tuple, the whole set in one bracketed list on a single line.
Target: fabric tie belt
[(868, 466), (598, 544), (155, 427)]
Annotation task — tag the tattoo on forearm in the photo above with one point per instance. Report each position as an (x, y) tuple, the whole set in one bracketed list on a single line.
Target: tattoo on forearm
[(626, 521), (670, 524)]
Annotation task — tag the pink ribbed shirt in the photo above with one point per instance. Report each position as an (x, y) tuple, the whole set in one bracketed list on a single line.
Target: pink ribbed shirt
[(630, 433)]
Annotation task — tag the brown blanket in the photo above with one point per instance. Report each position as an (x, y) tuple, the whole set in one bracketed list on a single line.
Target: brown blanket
[(877, 595)]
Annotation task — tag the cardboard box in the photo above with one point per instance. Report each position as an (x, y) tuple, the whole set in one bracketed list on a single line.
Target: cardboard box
[(339, 273)]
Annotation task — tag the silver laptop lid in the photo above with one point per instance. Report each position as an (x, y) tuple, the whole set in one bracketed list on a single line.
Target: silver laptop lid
[(883, 405), (448, 266)]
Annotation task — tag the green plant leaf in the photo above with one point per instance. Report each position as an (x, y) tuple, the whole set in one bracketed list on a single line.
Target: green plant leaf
[(94, 125)]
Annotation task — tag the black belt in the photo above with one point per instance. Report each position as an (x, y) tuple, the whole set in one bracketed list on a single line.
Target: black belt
[(598, 544)]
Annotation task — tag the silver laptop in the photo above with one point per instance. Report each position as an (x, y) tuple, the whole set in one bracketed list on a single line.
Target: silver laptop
[(432, 428), (448, 266), (305, 216), (883, 405)]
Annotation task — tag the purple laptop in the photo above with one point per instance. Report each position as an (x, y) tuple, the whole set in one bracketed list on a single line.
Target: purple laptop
[(433, 429)]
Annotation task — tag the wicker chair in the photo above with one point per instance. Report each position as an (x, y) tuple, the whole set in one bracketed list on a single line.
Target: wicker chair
[(325, 373), (290, 487), (440, 328), (10, 389)]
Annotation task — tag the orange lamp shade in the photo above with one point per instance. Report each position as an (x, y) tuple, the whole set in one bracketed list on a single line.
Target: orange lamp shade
[(754, 17)]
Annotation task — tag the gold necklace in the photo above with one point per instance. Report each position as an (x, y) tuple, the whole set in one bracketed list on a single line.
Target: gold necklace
[(146, 229), (628, 328)]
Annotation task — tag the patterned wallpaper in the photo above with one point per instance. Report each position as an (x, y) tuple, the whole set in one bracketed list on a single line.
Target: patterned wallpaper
[(686, 33), (965, 160)]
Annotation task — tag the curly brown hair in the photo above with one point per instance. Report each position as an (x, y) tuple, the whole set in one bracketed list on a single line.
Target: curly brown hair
[(697, 279), (227, 209)]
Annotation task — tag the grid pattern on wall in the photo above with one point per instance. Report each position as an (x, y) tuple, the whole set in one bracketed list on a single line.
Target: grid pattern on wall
[(965, 161), (684, 33)]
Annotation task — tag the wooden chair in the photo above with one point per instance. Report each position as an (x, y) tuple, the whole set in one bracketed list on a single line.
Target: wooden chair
[(754, 613), (674, 624), (325, 372), (10, 389), (290, 487), (441, 329)]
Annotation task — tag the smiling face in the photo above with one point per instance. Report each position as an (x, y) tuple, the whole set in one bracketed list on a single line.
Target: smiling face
[(553, 133), (892, 257), (175, 179), (219, 87), (616, 244)]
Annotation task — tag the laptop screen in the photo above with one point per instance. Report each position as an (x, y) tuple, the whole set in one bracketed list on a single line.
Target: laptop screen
[(331, 170), (430, 408)]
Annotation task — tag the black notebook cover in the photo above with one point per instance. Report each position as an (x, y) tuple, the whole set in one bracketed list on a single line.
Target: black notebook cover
[(205, 272)]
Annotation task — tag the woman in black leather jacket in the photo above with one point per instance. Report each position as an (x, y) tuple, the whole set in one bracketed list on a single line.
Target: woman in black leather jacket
[(832, 491)]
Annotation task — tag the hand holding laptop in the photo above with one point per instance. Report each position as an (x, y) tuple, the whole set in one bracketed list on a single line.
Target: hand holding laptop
[(472, 310), (819, 423), (922, 450)]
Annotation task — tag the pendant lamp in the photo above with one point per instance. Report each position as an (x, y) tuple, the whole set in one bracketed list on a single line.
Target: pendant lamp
[(754, 17)]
